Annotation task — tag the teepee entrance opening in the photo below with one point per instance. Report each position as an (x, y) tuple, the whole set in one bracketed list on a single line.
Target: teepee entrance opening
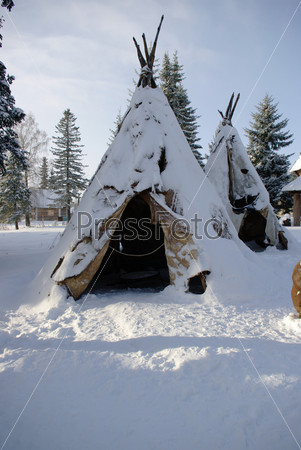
[(135, 257), (253, 228)]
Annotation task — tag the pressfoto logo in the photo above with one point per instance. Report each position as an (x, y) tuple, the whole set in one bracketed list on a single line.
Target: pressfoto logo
[(143, 229)]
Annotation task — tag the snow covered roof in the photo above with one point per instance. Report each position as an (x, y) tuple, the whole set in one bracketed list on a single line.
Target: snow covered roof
[(297, 165), (293, 186), (43, 198)]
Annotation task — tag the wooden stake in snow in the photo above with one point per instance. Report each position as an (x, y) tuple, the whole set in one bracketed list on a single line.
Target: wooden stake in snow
[(147, 62)]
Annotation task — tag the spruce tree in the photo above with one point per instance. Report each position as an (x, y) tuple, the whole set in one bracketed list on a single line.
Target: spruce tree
[(9, 117), (9, 114), (6, 4), (67, 164), (172, 77), (14, 195), (44, 174), (51, 180), (266, 137)]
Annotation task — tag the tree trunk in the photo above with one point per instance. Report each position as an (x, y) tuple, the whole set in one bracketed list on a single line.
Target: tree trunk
[(296, 210), (27, 216), (68, 214), (16, 225)]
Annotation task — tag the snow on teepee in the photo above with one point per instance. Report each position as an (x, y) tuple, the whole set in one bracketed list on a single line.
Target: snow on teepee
[(136, 225), (241, 189)]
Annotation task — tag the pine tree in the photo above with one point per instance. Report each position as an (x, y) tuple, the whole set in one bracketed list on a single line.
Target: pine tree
[(44, 174), (172, 76), (14, 195), (266, 137), (67, 163)]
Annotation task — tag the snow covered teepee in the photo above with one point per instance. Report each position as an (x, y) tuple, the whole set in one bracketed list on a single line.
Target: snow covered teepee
[(149, 216), (243, 193)]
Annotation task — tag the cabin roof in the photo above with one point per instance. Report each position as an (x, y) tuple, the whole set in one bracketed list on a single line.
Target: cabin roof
[(297, 165), (293, 186)]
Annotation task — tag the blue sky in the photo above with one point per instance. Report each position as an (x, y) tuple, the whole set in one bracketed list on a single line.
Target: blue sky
[(80, 55)]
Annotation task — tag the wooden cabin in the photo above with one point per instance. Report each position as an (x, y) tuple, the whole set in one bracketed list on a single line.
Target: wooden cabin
[(294, 188), (45, 205)]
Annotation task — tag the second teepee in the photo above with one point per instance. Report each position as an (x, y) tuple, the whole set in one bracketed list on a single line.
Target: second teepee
[(241, 189)]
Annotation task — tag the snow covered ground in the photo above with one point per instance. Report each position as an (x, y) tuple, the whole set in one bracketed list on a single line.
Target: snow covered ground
[(144, 370)]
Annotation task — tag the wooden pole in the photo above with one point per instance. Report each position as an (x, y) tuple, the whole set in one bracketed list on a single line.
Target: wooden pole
[(296, 209), (152, 54), (146, 78), (228, 110), (233, 109)]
